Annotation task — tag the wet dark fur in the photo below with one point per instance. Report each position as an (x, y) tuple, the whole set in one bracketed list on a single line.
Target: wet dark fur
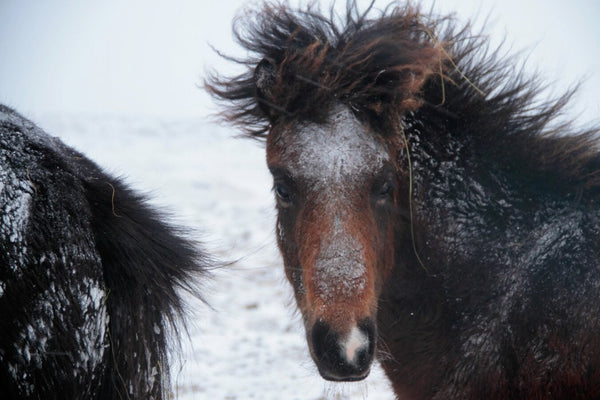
[(505, 302), (89, 247)]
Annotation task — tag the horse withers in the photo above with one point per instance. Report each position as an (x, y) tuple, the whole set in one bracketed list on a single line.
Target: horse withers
[(90, 276), (432, 210)]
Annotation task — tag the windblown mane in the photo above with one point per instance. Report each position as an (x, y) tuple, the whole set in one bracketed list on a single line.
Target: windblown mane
[(397, 62), (376, 66)]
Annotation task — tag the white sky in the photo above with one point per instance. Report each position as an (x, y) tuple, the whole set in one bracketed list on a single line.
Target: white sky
[(147, 57)]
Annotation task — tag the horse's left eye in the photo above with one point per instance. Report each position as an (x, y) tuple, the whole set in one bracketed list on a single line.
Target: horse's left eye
[(384, 191)]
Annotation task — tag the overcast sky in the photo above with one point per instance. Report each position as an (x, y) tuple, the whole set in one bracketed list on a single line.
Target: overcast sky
[(147, 57)]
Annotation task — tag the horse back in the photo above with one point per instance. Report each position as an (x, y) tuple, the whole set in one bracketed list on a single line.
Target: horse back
[(89, 275), (53, 330)]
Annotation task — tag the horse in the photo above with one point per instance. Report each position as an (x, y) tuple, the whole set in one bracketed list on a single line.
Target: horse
[(435, 210), (90, 276)]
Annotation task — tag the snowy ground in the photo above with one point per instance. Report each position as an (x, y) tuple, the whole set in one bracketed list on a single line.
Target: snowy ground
[(250, 344)]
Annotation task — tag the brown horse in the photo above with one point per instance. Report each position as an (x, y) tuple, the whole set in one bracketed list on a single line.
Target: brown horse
[(430, 210)]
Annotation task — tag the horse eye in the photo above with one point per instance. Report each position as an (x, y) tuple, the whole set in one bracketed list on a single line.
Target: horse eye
[(284, 195), (385, 190)]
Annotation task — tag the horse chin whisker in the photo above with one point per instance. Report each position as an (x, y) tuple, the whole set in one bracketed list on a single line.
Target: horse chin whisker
[(345, 390), (383, 352)]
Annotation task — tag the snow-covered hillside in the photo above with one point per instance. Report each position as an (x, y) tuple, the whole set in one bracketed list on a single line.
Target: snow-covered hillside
[(250, 343)]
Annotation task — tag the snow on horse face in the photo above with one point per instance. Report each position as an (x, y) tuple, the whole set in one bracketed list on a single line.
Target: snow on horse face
[(334, 185)]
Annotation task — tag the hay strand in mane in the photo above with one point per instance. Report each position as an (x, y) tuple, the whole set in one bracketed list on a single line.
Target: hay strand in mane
[(410, 201)]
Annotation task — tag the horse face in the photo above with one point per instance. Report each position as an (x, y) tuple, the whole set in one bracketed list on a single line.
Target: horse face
[(334, 185)]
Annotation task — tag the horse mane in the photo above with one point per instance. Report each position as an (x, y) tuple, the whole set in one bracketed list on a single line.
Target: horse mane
[(396, 63), (374, 65)]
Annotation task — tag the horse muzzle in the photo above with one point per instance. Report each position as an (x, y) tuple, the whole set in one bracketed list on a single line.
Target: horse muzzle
[(343, 357)]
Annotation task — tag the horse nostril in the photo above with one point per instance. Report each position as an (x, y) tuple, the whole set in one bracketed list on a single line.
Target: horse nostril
[(343, 357), (367, 327), (325, 343)]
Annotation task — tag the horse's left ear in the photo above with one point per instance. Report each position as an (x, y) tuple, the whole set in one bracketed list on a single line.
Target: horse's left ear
[(264, 79)]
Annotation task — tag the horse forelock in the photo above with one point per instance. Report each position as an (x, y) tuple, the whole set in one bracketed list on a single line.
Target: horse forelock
[(374, 63)]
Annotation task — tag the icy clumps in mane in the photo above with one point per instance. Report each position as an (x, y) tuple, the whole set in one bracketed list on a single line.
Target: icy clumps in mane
[(15, 202)]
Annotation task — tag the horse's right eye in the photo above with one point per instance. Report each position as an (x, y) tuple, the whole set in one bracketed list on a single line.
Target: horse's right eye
[(283, 194), (386, 189)]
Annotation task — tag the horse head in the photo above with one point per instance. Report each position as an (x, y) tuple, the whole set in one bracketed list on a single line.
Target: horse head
[(335, 187)]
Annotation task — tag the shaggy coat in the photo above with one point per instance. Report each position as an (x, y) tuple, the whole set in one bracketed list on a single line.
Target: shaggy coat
[(89, 276), (495, 288)]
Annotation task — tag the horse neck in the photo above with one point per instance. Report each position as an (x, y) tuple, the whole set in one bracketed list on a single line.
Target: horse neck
[(469, 199)]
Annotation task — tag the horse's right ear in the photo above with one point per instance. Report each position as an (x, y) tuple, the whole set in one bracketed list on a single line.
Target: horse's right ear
[(264, 79)]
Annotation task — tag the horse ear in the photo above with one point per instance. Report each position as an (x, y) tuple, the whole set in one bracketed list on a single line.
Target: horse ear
[(264, 79)]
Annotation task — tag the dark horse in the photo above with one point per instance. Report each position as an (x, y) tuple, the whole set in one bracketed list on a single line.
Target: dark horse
[(431, 208), (89, 276)]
